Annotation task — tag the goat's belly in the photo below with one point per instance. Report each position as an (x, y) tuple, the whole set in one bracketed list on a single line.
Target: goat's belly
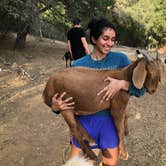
[(84, 92), (88, 108)]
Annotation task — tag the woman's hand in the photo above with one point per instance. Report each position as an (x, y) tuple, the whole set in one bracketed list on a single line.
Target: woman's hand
[(113, 88), (59, 104)]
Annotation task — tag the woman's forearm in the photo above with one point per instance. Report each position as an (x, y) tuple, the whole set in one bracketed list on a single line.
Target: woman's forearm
[(125, 85)]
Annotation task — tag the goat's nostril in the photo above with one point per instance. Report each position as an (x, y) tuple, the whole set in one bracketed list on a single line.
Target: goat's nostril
[(153, 91)]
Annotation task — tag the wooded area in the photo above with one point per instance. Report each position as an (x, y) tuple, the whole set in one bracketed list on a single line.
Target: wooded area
[(139, 22)]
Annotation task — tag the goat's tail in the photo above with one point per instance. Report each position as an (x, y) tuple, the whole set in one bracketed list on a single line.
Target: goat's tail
[(78, 161)]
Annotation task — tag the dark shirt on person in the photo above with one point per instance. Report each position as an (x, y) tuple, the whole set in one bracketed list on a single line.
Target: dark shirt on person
[(74, 35)]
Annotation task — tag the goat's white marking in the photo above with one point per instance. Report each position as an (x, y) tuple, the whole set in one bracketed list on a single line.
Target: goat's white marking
[(78, 161), (140, 56)]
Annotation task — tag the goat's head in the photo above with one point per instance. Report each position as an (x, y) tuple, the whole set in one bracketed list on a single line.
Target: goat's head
[(147, 73)]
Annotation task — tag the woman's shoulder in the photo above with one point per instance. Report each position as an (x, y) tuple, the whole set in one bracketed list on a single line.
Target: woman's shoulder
[(117, 54), (120, 57), (81, 61)]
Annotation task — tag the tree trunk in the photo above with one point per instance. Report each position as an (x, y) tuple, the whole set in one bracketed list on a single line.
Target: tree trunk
[(21, 38)]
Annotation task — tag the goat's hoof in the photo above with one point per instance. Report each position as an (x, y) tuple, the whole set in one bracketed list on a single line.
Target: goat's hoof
[(124, 156), (126, 132), (92, 156), (90, 140), (92, 143)]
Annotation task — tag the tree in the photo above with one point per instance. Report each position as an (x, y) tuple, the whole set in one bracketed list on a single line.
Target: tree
[(141, 19), (16, 17), (136, 20), (87, 9), (22, 17)]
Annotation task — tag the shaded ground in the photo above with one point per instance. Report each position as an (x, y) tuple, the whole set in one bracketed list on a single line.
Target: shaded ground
[(30, 135)]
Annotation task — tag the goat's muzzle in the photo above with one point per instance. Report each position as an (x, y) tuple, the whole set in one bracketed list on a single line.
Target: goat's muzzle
[(151, 91)]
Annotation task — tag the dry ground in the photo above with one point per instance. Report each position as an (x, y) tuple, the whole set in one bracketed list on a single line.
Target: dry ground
[(30, 135)]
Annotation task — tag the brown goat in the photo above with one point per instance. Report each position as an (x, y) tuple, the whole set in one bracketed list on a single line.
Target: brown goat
[(83, 84)]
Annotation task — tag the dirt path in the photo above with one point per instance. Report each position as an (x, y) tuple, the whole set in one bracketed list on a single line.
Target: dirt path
[(30, 135)]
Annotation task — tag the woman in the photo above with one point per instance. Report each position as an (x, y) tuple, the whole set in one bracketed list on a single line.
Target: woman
[(101, 125)]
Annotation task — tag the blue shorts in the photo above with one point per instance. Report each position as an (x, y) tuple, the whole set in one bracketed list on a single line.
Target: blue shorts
[(101, 128)]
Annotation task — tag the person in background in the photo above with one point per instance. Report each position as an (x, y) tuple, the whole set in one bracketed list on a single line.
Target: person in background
[(76, 40), (100, 125)]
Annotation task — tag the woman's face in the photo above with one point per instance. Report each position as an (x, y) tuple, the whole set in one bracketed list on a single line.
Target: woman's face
[(106, 41)]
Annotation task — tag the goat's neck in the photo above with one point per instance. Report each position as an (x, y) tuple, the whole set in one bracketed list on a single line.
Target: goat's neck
[(128, 71), (124, 73)]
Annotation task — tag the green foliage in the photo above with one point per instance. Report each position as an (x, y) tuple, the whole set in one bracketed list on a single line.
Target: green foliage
[(148, 18), (14, 14), (150, 14), (55, 22), (88, 9), (136, 20)]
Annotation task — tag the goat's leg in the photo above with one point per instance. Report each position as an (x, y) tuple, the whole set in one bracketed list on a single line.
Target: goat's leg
[(122, 150), (119, 116), (118, 110), (74, 128), (85, 135), (126, 130)]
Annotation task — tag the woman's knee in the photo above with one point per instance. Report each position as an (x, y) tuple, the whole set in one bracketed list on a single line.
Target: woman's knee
[(110, 157), (75, 151)]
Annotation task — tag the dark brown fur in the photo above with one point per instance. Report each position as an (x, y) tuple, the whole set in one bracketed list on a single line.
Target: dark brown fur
[(68, 58), (84, 83)]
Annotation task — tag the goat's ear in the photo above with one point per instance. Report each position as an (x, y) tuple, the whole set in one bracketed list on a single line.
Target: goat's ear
[(139, 75)]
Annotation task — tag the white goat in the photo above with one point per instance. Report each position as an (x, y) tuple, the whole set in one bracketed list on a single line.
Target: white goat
[(78, 161)]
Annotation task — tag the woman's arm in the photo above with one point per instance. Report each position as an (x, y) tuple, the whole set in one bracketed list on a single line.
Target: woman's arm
[(115, 86)]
